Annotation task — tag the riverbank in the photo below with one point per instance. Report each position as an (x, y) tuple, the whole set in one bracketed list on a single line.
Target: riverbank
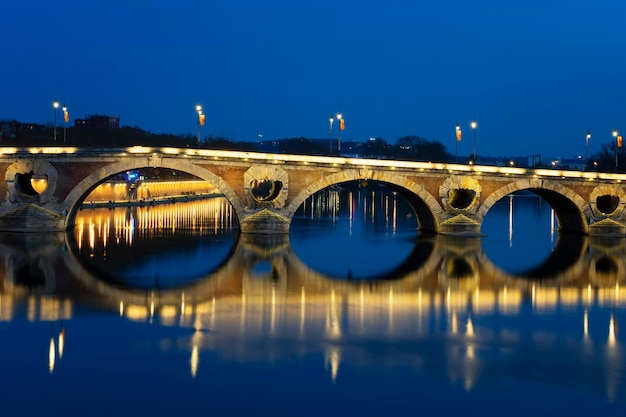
[(149, 202)]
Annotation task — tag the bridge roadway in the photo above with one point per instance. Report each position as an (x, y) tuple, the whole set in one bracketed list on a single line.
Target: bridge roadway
[(265, 190)]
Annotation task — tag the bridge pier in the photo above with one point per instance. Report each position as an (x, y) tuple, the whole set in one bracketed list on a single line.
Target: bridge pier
[(264, 222), (460, 225)]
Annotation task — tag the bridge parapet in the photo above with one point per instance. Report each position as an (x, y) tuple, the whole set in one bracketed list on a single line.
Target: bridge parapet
[(44, 187)]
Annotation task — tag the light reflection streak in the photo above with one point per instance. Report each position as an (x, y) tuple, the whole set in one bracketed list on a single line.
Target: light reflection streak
[(51, 355), (395, 211), (552, 225), (510, 221)]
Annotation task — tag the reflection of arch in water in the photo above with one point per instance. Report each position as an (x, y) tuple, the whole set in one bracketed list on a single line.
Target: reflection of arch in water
[(236, 273), (106, 285), (109, 275), (565, 264), (419, 258)]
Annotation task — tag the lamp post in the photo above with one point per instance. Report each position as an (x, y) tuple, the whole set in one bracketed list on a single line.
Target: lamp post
[(615, 135), (64, 123), (55, 104), (456, 143), (587, 149), (473, 124), (339, 116), (330, 130), (200, 120)]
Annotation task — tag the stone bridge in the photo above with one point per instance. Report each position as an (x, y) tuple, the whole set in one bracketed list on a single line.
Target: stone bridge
[(265, 190)]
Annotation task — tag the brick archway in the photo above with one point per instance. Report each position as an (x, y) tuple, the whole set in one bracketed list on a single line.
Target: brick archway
[(570, 208), (426, 207), (72, 202)]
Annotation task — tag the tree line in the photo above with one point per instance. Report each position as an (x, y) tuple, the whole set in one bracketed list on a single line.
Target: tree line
[(411, 147)]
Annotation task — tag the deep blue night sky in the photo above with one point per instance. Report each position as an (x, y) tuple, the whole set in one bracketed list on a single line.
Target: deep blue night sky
[(535, 74)]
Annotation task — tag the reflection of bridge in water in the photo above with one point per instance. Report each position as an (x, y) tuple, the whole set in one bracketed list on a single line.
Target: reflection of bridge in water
[(448, 281)]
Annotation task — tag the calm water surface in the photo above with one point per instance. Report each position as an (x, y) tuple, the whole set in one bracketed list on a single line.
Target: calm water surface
[(167, 310)]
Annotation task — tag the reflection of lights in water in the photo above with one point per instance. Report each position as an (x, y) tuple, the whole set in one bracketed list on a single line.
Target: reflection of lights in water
[(391, 309), (386, 211), (362, 309), (373, 210), (302, 310), (92, 237), (470, 327), (612, 331), (511, 221), (588, 299), (552, 225), (332, 321), (121, 308), (194, 361), (351, 210), (51, 355), (332, 359), (61, 342), (586, 324), (202, 216), (242, 322), (454, 323), (273, 312), (470, 352), (395, 211)]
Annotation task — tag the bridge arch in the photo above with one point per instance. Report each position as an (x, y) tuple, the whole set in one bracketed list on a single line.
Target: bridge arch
[(75, 197), (426, 207), (570, 208)]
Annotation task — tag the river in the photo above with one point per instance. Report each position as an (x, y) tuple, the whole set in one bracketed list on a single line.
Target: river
[(166, 309)]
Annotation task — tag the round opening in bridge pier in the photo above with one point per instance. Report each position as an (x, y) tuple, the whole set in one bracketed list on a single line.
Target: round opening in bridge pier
[(31, 184), (461, 198), (607, 204), (265, 190)]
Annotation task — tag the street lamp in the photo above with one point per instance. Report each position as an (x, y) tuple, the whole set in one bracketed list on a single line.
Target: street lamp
[(331, 120), (65, 118), (200, 120), (458, 139), (587, 148), (55, 104), (339, 116), (615, 135), (473, 124)]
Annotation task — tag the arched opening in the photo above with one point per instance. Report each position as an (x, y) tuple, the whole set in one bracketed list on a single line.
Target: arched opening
[(154, 228), (359, 230), (524, 233)]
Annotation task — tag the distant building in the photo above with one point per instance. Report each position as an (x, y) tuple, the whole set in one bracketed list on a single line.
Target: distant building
[(12, 130), (98, 122)]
